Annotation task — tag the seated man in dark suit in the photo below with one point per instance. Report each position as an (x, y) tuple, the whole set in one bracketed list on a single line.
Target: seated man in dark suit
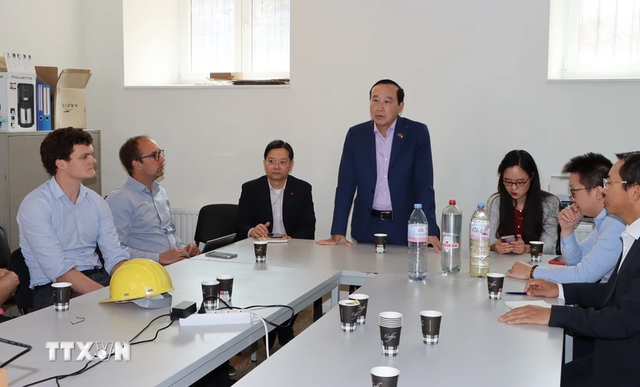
[(277, 203), (608, 312)]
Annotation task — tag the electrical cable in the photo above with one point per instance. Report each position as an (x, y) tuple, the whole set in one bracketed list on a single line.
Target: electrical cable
[(266, 330), (89, 366)]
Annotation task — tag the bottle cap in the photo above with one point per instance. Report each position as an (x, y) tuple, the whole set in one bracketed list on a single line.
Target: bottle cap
[(417, 206), (481, 204), (452, 202)]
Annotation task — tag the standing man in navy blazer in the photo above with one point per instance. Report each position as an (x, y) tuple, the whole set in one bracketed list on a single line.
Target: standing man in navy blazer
[(388, 161)]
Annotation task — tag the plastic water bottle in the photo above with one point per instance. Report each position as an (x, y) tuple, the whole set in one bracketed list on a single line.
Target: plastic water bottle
[(450, 237), (479, 235), (418, 231)]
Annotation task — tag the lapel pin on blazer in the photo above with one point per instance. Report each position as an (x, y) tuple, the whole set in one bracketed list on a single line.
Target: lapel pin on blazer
[(291, 193), (400, 135)]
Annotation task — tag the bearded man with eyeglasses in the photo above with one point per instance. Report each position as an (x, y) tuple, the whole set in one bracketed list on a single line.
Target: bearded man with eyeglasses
[(141, 209)]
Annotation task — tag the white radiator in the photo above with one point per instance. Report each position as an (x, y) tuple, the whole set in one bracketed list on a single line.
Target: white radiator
[(185, 222)]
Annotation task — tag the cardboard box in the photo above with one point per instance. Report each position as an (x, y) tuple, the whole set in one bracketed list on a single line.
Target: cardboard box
[(225, 76), (17, 93), (68, 93), (70, 103)]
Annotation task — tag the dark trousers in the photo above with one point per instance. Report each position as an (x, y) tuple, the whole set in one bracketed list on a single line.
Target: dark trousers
[(578, 373), (216, 378), (317, 309), (582, 346), (43, 295), (285, 334)]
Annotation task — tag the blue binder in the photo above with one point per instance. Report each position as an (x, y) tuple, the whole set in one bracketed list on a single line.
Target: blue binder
[(43, 105)]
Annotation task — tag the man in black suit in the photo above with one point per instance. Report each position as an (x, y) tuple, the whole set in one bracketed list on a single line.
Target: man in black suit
[(277, 203), (609, 312)]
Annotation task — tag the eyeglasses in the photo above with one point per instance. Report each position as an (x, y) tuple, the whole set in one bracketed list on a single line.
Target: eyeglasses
[(607, 182), (155, 155), (273, 163), (517, 183), (573, 191)]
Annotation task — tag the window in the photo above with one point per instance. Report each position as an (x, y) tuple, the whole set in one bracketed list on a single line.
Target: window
[(594, 39), (248, 36)]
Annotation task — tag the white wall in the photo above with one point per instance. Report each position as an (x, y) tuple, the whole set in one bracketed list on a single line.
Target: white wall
[(475, 72), (53, 35), (151, 41)]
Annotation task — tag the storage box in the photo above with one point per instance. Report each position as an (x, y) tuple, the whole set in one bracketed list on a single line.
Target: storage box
[(17, 93), (70, 104), (68, 94), (225, 76)]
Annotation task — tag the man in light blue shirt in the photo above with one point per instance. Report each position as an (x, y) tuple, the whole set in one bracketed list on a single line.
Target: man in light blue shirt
[(141, 209), (62, 222), (594, 259)]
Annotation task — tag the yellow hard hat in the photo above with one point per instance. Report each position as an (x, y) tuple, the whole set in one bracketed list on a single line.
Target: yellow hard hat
[(139, 280)]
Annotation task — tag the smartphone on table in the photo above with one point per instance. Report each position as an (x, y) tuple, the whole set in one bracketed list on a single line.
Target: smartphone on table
[(274, 235), (559, 260), (220, 254)]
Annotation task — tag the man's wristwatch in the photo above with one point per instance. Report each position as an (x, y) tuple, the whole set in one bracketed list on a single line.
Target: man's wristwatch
[(531, 272)]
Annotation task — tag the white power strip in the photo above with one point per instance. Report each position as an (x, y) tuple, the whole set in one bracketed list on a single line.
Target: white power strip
[(219, 317)]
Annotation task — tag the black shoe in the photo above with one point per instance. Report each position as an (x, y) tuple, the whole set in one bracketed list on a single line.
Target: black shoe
[(232, 371), (285, 335)]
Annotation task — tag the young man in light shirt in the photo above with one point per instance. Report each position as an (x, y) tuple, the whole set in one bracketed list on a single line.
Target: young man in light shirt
[(594, 258), (608, 312), (62, 222)]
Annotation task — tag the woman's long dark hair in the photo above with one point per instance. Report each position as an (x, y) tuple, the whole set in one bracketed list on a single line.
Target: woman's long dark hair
[(532, 226)]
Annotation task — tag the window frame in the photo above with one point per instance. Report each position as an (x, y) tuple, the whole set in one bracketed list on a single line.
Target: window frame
[(243, 39), (563, 49)]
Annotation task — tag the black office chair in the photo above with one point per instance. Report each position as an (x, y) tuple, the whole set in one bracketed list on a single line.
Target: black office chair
[(219, 242), (23, 295), (215, 221), (5, 251)]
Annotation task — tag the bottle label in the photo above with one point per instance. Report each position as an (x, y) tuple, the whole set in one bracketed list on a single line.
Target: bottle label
[(480, 230), (418, 232), (448, 242)]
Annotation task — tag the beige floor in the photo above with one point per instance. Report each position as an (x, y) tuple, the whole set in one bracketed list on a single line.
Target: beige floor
[(242, 362)]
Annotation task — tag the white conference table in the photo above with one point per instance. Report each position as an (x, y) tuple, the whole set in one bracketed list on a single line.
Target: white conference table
[(180, 355), (358, 262), (474, 349)]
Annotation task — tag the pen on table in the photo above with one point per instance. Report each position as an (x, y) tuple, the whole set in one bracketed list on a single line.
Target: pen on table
[(517, 293)]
